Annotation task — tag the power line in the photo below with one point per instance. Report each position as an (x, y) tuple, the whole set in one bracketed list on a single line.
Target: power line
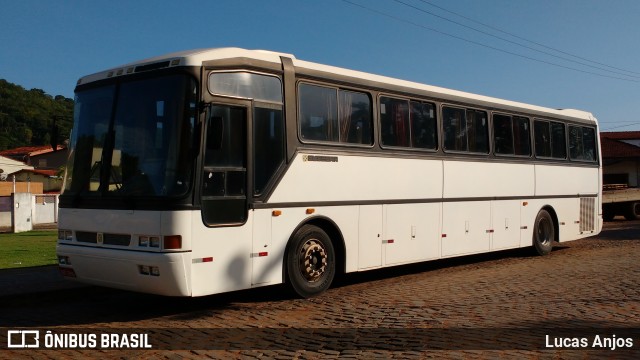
[(513, 42), (485, 45), (621, 126), (525, 39)]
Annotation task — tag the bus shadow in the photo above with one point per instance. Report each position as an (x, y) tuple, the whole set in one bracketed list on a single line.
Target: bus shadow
[(88, 305)]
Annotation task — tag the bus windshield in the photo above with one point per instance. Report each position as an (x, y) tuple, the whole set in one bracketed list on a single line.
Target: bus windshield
[(133, 139)]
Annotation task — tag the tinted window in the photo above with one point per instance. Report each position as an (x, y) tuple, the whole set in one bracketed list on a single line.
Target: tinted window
[(394, 119), (423, 125), (503, 134), (550, 139), (354, 114), (318, 113), (465, 130), (455, 129), (246, 85), (521, 136), (542, 138), (329, 114), (511, 135), (558, 141), (407, 123), (582, 143), (268, 135)]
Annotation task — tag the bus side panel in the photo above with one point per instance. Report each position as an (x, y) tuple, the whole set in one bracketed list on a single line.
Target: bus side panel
[(359, 178), (465, 229), (574, 181), (411, 232), (472, 226), (264, 257), (553, 180), (370, 219), (466, 180), (505, 224), (221, 257)]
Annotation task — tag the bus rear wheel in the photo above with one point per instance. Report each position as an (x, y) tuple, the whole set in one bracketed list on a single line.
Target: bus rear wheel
[(311, 261), (543, 233)]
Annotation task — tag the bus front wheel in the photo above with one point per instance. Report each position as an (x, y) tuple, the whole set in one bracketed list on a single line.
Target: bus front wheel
[(543, 233), (311, 261)]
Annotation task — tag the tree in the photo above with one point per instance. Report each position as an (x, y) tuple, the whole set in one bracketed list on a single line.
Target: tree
[(26, 116)]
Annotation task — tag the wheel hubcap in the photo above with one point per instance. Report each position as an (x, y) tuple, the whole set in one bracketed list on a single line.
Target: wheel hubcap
[(313, 260)]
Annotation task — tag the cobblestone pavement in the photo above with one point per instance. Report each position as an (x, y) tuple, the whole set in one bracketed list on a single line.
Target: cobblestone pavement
[(497, 305)]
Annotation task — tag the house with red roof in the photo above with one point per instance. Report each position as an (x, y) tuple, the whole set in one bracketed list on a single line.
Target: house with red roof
[(42, 165), (621, 157), (40, 157)]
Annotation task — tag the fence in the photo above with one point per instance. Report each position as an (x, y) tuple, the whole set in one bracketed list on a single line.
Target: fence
[(23, 211)]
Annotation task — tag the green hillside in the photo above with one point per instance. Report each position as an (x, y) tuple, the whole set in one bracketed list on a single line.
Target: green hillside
[(26, 116)]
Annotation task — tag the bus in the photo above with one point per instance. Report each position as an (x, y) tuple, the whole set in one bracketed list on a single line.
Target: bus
[(216, 170)]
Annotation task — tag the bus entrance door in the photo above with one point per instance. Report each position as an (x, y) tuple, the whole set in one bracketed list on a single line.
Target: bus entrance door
[(224, 182)]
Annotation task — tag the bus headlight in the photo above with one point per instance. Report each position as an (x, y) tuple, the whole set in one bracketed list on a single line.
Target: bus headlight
[(66, 235), (154, 241), (143, 241), (170, 242)]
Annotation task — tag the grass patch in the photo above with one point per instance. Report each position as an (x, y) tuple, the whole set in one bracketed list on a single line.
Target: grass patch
[(33, 248)]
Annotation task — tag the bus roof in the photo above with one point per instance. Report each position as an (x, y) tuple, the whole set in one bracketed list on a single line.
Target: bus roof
[(199, 56)]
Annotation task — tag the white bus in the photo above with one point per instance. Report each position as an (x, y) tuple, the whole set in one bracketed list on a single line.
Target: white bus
[(216, 170)]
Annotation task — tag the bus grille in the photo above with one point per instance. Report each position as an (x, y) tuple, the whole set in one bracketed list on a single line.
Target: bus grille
[(108, 239), (587, 214)]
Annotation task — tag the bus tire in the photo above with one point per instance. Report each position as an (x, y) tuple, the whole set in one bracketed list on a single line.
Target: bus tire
[(543, 233), (311, 261), (632, 211)]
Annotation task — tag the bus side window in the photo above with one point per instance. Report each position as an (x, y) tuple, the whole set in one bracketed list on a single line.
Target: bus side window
[(455, 129), (268, 136), (521, 138), (318, 113), (423, 126), (394, 119), (582, 145), (542, 134), (558, 141), (502, 134), (330, 114)]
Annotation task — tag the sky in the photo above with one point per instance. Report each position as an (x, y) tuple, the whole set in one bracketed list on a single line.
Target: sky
[(579, 54)]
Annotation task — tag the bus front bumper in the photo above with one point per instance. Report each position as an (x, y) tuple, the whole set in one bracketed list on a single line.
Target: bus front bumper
[(148, 272)]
